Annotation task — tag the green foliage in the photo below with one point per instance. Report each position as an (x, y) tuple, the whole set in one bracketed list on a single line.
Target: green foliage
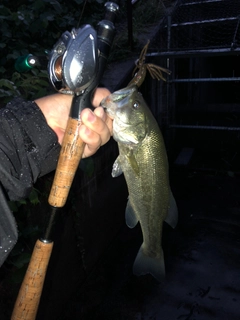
[(34, 26), (8, 88), (32, 199)]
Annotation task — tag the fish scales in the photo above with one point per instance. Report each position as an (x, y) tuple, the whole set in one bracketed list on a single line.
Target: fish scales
[(143, 161), (150, 183)]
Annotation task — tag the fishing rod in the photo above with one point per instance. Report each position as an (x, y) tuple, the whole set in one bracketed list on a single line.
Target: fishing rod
[(76, 65)]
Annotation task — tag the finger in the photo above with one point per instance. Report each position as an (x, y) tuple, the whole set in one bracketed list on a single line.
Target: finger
[(99, 111), (92, 141), (100, 93), (93, 131), (96, 124)]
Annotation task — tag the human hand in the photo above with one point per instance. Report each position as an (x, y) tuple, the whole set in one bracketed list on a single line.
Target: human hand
[(96, 128)]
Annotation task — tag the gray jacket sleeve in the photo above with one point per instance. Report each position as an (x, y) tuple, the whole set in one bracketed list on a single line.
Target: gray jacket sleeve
[(28, 149)]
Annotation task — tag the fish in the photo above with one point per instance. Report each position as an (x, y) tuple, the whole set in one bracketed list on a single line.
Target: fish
[(143, 161)]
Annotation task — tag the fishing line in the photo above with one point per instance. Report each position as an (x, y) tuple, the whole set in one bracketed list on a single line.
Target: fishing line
[(80, 18)]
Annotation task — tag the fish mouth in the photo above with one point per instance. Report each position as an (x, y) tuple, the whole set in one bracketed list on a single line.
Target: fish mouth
[(106, 105), (109, 112), (116, 100)]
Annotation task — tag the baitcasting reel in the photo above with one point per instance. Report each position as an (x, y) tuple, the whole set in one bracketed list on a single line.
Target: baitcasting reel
[(74, 60)]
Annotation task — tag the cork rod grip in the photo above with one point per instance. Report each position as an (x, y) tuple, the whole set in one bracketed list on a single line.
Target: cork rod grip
[(26, 305), (70, 156)]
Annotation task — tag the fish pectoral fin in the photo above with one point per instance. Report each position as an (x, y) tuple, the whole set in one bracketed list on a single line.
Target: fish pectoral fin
[(130, 216), (116, 169), (133, 163), (145, 264), (172, 216)]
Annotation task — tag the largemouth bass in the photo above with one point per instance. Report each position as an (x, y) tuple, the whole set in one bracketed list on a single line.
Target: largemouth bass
[(143, 161)]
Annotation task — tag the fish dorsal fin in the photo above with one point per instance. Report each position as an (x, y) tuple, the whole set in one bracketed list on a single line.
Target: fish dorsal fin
[(130, 216)]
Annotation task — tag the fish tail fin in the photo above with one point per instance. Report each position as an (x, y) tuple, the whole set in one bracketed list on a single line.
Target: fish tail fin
[(144, 264), (172, 216)]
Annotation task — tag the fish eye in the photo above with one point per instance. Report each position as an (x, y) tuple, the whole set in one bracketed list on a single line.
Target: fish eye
[(135, 105)]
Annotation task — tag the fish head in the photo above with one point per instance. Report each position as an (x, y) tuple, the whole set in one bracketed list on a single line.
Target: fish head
[(127, 109)]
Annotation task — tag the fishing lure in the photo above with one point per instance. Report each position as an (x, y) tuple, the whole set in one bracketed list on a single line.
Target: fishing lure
[(142, 67)]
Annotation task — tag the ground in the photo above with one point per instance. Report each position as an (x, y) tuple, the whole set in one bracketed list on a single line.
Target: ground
[(201, 256)]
